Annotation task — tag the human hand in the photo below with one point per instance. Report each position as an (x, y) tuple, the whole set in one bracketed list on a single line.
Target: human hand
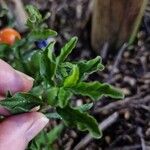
[(16, 131)]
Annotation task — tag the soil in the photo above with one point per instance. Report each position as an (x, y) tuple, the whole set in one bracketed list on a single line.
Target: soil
[(127, 68)]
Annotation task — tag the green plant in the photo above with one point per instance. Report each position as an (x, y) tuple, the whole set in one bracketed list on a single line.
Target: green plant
[(57, 80)]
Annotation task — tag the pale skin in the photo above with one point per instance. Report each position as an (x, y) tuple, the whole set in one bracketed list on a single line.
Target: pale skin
[(17, 131)]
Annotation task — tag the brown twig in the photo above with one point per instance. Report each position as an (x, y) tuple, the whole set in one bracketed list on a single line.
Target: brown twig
[(117, 61), (139, 132), (104, 125), (104, 50), (134, 100), (132, 147)]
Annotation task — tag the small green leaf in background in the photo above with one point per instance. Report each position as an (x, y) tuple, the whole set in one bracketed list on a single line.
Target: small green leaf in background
[(73, 78), (38, 142), (74, 117), (3, 12), (84, 107), (95, 90), (45, 140), (21, 102), (66, 50), (33, 11), (40, 34), (89, 67), (54, 134), (34, 16), (64, 96)]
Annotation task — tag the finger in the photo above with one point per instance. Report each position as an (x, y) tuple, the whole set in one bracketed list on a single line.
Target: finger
[(12, 80), (4, 111), (17, 131)]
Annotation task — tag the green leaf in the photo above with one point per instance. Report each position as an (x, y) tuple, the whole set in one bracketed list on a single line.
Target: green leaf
[(45, 139), (50, 49), (58, 96), (63, 71), (5, 49), (54, 134), (37, 90), (34, 16), (73, 78), (38, 142), (82, 120), (47, 64), (4, 46), (95, 90), (66, 50), (33, 11), (84, 107), (20, 103), (51, 95), (35, 61), (53, 115), (3, 12), (89, 67), (40, 34), (64, 96)]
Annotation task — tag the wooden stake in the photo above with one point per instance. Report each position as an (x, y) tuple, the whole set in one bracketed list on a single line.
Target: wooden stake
[(114, 21)]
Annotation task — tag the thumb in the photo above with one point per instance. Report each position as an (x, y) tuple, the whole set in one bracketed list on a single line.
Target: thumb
[(12, 80), (17, 131)]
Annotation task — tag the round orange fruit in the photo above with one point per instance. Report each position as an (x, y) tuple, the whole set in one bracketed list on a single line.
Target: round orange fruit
[(9, 36)]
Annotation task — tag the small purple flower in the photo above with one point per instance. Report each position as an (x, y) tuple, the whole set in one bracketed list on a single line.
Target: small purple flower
[(41, 43)]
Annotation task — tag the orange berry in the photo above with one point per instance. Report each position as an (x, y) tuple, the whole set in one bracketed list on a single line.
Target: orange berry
[(9, 36)]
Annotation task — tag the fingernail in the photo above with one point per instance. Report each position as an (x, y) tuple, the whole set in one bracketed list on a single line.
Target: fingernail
[(35, 109), (36, 127), (2, 97), (25, 76)]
